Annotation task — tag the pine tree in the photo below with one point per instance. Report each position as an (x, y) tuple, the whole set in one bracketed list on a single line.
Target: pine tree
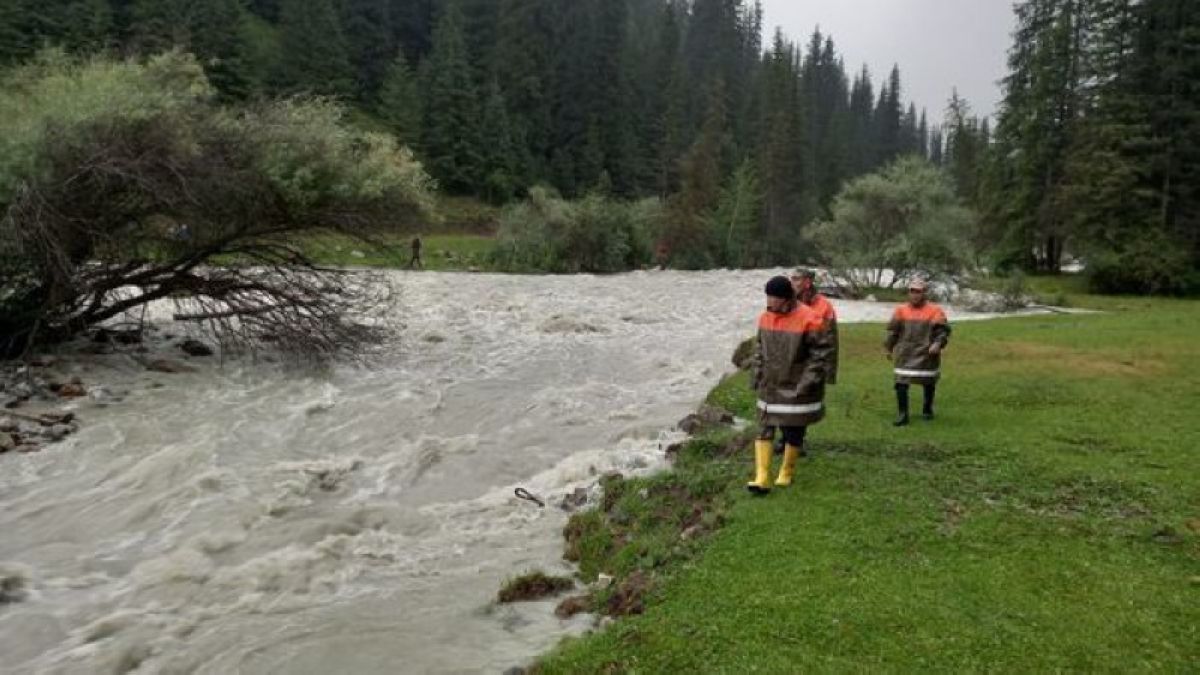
[(499, 166), (523, 69), (79, 26), (315, 55), (450, 139), (734, 222), (370, 31), (962, 148), (784, 164), (1136, 137), (862, 100), (888, 117), (923, 136), (686, 240), (909, 134), (936, 147), (1037, 120), (399, 102), (214, 30)]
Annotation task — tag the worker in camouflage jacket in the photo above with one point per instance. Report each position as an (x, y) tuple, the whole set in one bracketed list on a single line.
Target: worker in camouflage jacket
[(804, 282), (916, 337), (788, 372)]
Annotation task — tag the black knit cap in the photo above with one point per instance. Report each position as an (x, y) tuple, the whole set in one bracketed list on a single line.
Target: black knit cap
[(780, 287)]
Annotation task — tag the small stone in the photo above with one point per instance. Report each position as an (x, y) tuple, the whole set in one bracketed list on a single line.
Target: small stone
[(195, 348), (603, 581), (577, 499), (690, 424), (103, 395), (49, 418), (58, 432), (572, 606), (72, 390)]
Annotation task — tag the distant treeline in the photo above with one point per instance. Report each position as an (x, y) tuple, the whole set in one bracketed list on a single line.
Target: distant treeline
[(630, 97), (1095, 153)]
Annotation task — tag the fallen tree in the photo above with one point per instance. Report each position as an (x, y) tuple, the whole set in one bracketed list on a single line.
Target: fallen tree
[(125, 185)]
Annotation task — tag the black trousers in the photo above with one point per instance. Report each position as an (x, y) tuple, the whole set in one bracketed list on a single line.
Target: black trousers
[(902, 397), (791, 435)]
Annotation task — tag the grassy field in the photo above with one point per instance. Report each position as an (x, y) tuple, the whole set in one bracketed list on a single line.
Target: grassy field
[(439, 252), (1048, 520)]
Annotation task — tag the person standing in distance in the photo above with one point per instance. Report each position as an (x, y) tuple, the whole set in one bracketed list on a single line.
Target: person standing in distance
[(916, 337), (415, 260), (788, 371)]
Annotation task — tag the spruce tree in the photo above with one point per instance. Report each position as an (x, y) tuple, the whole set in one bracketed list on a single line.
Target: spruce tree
[(923, 136), (399, 102), (523, 68), (450, 140), (862, 137), (499, 153), (78, 26), (888, 117), (315, 56), (370, 31)]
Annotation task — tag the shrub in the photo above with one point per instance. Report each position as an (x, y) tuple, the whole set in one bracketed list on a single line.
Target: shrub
[(1151, 264), (595, 234), (888, 226)]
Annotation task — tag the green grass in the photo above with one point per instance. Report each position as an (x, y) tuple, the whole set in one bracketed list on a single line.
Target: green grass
[(439, 252), (1048, 520), (1061, 290)]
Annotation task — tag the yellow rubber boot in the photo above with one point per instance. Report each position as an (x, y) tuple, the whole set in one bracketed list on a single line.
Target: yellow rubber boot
[(788, 469), (762, 468)]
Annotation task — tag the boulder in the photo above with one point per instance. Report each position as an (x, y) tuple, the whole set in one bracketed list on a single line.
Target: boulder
[(71, 390), (195, 348), (57, 432), (572, 606), (577, 499), (706, 417), (741, 355)]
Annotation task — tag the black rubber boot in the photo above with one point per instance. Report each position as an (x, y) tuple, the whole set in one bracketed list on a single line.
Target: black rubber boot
[(927, 408), (901, 406)]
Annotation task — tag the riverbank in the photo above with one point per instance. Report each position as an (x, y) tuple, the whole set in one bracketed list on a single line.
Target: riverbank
[(1049, 519)]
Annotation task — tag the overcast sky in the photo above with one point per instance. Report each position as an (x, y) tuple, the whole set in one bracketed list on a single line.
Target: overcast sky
[(939, 44)]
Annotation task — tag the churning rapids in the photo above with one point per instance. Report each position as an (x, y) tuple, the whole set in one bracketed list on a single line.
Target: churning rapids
[(247, 519)]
